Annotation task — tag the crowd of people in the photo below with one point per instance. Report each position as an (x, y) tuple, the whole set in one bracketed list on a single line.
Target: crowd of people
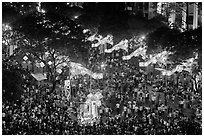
[(133, 103)]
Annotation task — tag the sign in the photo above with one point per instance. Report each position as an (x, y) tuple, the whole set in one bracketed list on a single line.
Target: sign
[(67, 88)]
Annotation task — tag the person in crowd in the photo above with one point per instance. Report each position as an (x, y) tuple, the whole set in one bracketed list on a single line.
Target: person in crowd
[(138, 110)]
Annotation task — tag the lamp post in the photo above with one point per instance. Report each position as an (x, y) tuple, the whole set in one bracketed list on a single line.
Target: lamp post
[(42, 65), (142, 37), (49, 63)]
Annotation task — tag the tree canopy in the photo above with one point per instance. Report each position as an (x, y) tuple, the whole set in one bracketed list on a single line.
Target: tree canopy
[(54, 28), (183, 44)]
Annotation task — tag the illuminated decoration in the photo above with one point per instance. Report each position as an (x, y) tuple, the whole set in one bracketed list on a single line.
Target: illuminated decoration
[(6, 27), (141, 51), (179, 68), (89, 110), (166, 72), (42, 64), (186, 66), (46, 53), (103, 65), (199, 77), (86, 30), (160, 58), (100, 40), (64, 64), (98, 96), (42, 11), (159, 7), (39, 9), (94, 37), (59, 71), (45, 74), (126, 57), (97, 75), (25, 58), (196, 55), (189, 62), (107, 40), (50, 63), (75, 17), (143, 64), (37, 65), (121, 45), (143, 37), (154, 61)]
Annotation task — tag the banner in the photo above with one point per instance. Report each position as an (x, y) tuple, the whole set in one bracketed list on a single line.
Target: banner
[(38, 76)]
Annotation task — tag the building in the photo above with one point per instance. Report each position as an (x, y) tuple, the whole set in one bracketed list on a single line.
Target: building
[(176, 14), (186, 16), (144, 9)]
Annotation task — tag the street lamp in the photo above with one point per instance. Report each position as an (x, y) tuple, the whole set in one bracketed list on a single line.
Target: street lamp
[(142, 37), (42, 65), (76, 17)]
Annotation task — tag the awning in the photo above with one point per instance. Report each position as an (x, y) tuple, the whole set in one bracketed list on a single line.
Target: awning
[(38, 76)]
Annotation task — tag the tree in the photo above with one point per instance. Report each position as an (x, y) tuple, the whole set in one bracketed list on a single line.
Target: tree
[(161, 39), (183, 45), (188, 44), (50, 39)]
